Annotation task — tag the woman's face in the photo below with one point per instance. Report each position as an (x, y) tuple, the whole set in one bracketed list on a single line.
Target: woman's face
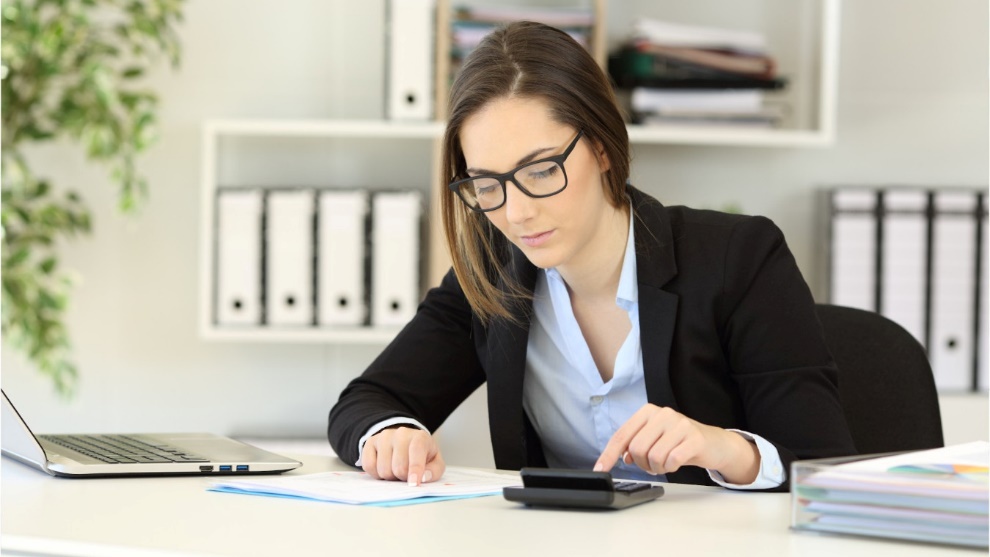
[(557, 231)]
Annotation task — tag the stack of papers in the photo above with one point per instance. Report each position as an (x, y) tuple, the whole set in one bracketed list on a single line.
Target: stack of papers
[(938, 496), (358, 488)]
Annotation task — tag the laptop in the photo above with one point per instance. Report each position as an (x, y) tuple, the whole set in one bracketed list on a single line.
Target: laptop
[(133, 454)]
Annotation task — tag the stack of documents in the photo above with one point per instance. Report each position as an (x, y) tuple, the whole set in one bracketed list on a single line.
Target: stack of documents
[(697, 76), (938, 496), (358, 488)]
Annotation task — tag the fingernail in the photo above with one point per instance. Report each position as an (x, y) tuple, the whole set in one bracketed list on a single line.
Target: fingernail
[(599, 467), (412, 480), (427, 476)]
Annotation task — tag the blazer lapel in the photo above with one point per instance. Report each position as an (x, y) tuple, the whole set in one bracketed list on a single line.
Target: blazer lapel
[(507, 343), (655, 267)]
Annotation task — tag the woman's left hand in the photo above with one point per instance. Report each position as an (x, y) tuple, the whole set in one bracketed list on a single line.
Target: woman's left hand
[(661, 440)]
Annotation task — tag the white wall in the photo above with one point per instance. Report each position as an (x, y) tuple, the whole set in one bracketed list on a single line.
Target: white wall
[(913, 109)]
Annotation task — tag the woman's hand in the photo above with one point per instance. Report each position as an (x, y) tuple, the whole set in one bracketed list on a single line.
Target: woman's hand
[(661, 440), (405, 454)]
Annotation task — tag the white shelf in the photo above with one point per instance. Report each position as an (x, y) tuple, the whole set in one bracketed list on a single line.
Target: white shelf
[(670, 135), (350, 335), (324, 128), (683, 135)]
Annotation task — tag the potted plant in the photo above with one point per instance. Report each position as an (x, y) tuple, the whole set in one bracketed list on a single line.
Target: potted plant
[(70, 70)]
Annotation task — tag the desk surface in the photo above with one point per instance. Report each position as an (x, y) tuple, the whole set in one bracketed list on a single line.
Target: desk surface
[(42, 515)]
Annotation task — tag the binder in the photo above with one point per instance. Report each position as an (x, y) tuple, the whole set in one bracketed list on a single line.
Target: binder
[(953, 313), (340, 258), (904, 259), (237, 295), (289, 257), (854, 248), (982, 362), (395, 245), (409, 77)]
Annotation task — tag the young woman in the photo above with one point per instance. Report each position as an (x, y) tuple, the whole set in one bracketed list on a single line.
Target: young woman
[(614, 333)]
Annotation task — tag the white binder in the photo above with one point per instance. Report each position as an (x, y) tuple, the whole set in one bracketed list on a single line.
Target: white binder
[(238, 264), (340, 258), (289, 257), (952, 346), (905, 259), (984, 334), (409, 78), (395, 257), (853, 261)]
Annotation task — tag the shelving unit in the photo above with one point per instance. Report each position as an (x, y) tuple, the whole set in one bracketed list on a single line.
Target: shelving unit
[(214, 131), (816, 64)]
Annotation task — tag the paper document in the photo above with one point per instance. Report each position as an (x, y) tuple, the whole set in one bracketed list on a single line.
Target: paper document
[(358, 488), (940, 495)]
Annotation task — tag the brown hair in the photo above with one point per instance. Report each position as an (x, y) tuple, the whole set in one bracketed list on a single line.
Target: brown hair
[(529, 60)]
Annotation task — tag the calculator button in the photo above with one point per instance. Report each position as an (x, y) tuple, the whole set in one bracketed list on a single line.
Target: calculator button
[(631, 487)]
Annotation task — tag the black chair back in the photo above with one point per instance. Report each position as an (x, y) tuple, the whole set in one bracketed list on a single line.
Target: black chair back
[(885, 380)]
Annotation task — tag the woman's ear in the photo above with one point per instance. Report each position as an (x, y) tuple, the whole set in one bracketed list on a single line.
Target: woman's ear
[(602, 157)]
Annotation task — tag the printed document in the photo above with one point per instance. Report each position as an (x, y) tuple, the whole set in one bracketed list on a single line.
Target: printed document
[(358, 488)]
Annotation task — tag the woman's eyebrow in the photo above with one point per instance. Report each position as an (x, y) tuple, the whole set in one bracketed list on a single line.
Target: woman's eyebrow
[(520, 162)]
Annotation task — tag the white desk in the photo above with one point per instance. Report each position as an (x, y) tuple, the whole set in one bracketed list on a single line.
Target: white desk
[(143, 517)]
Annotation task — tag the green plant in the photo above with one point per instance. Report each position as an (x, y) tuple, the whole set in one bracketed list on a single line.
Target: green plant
[(71, 71)]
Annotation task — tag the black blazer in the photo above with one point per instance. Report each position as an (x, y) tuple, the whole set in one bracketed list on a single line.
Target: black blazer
[(728, 332)]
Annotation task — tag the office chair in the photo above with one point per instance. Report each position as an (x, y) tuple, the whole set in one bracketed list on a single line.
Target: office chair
[(885, 381)]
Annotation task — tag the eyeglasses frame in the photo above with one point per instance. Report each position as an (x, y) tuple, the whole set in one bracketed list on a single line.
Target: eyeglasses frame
[(510, 177)]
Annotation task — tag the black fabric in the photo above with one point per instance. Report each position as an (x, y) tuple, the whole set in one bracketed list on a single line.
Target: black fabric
[(885, 381), (728, 332)]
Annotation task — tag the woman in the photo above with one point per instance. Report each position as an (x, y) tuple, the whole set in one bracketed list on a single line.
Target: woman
[(614, 333)]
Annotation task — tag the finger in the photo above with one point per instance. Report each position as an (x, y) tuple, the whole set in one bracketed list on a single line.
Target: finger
[(419, 448), (384, 464), (619, 442), (647, 437), (400, 457), (689, 450), (658, 455), (369, 458), (435, 468)]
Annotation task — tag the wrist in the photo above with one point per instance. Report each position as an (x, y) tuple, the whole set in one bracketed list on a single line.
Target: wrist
[(741, 464)]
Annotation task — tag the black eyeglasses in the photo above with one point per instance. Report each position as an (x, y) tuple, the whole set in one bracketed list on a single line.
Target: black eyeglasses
[(541, 178)]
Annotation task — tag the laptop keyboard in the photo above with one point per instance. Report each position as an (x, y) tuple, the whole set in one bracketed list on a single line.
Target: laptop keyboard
[(116, 449)]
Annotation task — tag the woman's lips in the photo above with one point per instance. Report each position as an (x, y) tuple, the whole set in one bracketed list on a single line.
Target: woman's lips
[(536, 240)]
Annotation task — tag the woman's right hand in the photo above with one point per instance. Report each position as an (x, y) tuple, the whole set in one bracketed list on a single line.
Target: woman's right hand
[(403, 453)]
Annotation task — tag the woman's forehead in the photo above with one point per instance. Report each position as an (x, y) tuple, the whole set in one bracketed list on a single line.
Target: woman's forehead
[(506, 130)]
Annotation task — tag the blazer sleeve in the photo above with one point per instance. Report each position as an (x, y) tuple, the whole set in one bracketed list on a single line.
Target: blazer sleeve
[(785, 374), (424, 373)]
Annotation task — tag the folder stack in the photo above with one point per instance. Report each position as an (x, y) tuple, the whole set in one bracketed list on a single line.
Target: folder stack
[(937, 496), (687, 75), (471, 24), (297, 258), (919, 257)]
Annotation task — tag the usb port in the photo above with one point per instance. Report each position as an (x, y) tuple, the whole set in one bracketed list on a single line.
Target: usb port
[(225, 468), (206, 468), (242, 467)]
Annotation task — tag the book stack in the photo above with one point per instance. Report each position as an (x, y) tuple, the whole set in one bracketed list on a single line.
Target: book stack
[(677, 74), (471, 24), (937, 496)]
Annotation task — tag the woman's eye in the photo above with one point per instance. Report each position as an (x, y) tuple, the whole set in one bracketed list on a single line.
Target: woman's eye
[(545, 173)]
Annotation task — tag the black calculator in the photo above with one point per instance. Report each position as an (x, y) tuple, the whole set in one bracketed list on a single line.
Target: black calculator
[(550, 487)]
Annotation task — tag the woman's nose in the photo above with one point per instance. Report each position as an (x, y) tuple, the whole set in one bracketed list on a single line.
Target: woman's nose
[(519, 207)]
